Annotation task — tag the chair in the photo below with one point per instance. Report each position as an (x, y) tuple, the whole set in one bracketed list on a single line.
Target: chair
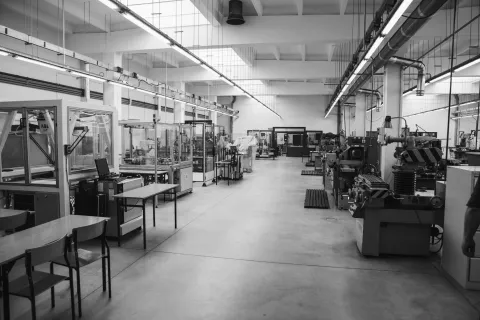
[(13, 222), (80, 257), (36, 282)]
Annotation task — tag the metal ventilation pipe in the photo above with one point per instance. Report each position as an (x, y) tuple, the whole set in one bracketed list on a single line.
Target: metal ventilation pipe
[(422, 13), (373, 92), (414, 64)]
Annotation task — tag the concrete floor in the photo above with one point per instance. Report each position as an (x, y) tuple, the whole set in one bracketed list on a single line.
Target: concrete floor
[(251, 251)]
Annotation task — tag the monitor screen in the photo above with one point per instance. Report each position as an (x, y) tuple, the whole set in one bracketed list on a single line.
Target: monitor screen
[(102, 167)]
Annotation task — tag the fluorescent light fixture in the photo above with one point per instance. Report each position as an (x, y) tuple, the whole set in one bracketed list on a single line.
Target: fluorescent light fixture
[(474, 62), (466, 116), (468, 102), (396, 16), (374, 47), (406, 93), (360, 66), (440, 78), (196, 106), (186, 54), (40, 63), (118, 84), (204, 66), (145, 27), (109, 4), (145, 91), (84, 75), (228, 81), (3, 53), (166, 97), (350, 80)]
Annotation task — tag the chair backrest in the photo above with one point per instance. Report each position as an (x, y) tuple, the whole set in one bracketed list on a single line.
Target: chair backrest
[(89, 232), (48, 252), (13, 222)]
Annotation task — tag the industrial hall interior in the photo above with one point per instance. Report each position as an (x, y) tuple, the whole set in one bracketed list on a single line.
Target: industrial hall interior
[(239, 159)]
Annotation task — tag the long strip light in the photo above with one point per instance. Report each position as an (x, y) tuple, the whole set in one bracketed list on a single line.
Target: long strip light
[(474, 62), (3, 53), (118, 84), (439, 78), (109, 4), (209, 69), (145, 27), (185, 54), (396, 16), (374, 47), (406, 93), (40, 63), (85, 75), (466, 116), (228, 81), (146, 91)]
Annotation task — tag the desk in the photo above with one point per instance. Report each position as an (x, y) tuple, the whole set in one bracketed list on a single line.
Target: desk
[(5, 213), (13, 247), (144, 193)]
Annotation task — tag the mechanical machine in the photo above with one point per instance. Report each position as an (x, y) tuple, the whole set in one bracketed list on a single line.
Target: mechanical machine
[(398, 220)]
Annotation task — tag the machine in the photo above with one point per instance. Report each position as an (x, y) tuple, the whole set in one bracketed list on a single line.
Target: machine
[(151, 147), (398, 220)]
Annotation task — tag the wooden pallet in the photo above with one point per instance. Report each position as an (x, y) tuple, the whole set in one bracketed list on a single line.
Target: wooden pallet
[(317, 172), (316, 199)]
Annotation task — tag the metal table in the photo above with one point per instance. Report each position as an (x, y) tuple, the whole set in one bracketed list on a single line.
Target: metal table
[(144, 193), (12, 247)]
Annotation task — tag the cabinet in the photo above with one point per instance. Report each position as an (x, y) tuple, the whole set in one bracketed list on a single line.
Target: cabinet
[(465, 271)]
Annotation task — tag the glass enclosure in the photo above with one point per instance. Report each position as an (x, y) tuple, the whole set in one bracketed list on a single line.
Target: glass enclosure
[(203, 147), (28, 144), (173, 142), (90, 138)]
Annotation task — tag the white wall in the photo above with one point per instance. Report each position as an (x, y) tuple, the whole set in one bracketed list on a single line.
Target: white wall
[(296, 111)]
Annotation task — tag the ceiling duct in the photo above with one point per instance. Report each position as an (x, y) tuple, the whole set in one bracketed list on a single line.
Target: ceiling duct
[(373, 92), (424, 11), (414, 64), (235, 13)]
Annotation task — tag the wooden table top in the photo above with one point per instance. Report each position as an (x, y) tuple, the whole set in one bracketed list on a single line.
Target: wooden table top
[(12, 247), (146, 192), (5, 213)]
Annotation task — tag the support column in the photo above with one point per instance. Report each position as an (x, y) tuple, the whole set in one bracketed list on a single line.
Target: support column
[(112, 96), (360, 113), (179, 107), (392, 106)]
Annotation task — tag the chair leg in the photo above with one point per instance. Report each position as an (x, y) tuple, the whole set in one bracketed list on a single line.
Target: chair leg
[(72, 293), (109, 278), (79, 293), (104, 275), (32, 306), (52, 289)]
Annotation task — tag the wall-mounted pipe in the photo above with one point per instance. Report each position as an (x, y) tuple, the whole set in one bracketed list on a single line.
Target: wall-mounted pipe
[(414, 64), (424, 11)]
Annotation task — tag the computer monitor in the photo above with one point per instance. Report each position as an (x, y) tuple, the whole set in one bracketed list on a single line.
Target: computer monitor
[(102, 167)]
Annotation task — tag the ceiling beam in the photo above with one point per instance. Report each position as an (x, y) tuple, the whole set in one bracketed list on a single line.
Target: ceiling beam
[(258, 7), (342, 6), (276, 52), (210, 11), (264, 70), (299, 4), (277, 88), (302, 48)]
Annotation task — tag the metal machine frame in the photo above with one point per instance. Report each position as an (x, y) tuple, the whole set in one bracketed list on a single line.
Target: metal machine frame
[(208, 172), (61, 133), (179, 172), (291, 152)]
